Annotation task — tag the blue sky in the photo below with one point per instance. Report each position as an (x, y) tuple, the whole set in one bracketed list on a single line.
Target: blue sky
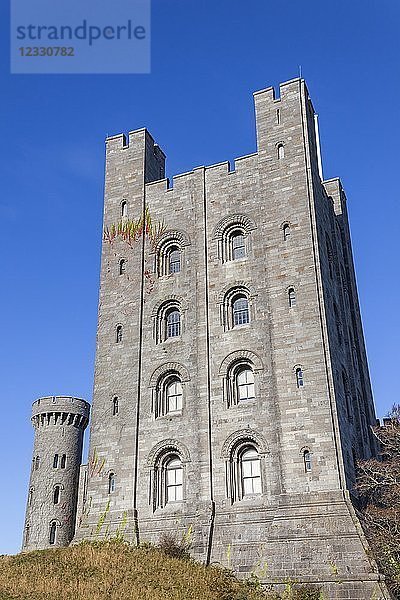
[(207, 59)]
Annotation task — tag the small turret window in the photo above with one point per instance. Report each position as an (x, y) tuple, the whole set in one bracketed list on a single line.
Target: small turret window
[(292, 298), (281, 151), (124, 208), (286, 232), (56, 494), (55, 461), (118, 336), (122, 266), (307, 461), (53, 533), (115, 406), (299, 377), (63, 461), (111, 483)]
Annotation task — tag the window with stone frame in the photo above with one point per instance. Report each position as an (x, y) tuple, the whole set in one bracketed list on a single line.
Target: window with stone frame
[(244, 471), (169, 394), (169, 258), (168, 479), (235, 308), (240, 383), (168, 321)]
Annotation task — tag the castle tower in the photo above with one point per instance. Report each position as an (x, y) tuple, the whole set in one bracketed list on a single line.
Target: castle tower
[(232, 393), (59, 423)]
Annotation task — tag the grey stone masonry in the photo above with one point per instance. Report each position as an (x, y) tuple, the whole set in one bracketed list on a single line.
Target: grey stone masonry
[(59, 423), (232, 393)]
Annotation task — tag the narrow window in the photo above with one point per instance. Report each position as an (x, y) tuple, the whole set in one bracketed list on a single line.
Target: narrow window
[(53, 533), (286, 232), (238, 246), (299, 378), (307, 461), (30, 498), (111, 483), (292, 298), (250, 472), (115, 406), (281, 151), (37, 463), (122, 266), (27, 532), (124, 208), (174, 396), (56, 494), (55, 461), (240, 309), (278, 116), (63, 461), (173, 323), (245, 384), (174, 260), (118, 337), (174, 480)]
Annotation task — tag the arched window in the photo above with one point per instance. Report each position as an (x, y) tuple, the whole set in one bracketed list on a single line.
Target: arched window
[(281, 151), (286, 232), (169, 258), (111, 483), (299, 377), (250, 472), (240, 310), (173, 323), (122, 266), (237, 244), (63, 461), (56, 494), (307, 461), (173, 395), (55, 461), (53, 533), (124, 208), (174, 259), (173, 479), (118, 334), (169, 394), (292, 298), (244, 380), (115, 406)]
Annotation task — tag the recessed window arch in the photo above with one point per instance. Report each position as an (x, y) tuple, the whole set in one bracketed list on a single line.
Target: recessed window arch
[(292, 297), (240, 309), (307, 461), (237, 244), (169, 258), (299, 377), (122, 266), (169, 394), (111, 483), (168, 321), (286, 232), (115, 406), (240, 383), (124, 208), (118, 334), (53, 533), (168, 477), (244, 471), (56, 494), (280, 149), (235, 307)]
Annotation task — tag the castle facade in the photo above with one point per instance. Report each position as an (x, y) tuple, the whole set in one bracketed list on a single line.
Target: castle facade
[(232, 394)]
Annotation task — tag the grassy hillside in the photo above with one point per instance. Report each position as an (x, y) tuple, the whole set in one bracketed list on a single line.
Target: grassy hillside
[(113, 570)]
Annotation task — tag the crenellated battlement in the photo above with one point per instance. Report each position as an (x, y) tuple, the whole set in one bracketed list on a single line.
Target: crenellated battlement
[(60, 410)]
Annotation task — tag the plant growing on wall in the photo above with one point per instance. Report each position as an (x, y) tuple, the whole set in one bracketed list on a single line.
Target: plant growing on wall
[(131, 230)]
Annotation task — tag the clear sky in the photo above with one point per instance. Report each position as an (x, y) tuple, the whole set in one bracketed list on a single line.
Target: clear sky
[(208, 56)]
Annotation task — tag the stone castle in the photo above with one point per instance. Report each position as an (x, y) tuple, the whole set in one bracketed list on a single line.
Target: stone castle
[(232, 394)]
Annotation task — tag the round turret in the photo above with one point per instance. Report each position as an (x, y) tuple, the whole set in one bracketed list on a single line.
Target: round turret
[(59, 423)]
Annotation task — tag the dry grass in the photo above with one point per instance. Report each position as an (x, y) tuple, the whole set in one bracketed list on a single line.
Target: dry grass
[(112, 570)]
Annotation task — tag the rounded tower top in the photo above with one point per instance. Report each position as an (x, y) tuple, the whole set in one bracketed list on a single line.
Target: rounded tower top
[(58, 408)]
